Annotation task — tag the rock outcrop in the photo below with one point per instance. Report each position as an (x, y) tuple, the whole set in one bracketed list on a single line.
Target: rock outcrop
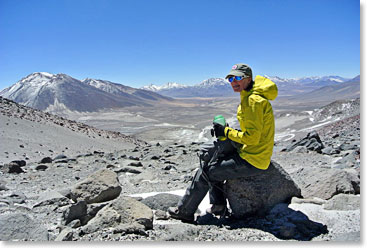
[(312, 142), (258, 194), (324, 183)]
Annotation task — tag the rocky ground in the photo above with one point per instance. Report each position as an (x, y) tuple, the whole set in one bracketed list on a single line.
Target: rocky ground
[(99, 194)]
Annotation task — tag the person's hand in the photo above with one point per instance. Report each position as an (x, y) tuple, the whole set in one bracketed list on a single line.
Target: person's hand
[(218, 130)]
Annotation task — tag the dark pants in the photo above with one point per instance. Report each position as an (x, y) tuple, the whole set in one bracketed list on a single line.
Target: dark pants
[(230, 166)]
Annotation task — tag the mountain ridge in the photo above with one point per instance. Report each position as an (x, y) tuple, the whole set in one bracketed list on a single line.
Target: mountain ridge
[(61, 92), (219, 87)]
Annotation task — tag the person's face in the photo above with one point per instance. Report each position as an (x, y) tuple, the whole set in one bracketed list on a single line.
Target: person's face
[(240, 85)]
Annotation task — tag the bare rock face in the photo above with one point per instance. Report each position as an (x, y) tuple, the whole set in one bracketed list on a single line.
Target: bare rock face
[(101, 186), (258, 194), (123, 213), (327, 182)]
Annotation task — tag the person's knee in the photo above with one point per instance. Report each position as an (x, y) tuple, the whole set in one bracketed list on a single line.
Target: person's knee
[(215, 173)]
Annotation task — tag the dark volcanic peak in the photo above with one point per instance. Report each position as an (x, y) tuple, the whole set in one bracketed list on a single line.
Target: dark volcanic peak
[(12, 109), (60, 92)]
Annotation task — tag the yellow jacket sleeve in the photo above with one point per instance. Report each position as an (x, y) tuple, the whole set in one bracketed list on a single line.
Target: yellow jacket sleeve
[(253, 123)]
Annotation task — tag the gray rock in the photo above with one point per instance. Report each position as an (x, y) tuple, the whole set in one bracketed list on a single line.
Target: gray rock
[(300, 149), (13, 197), (51, 197), (154, 157), (65, 235), (65, 192), (330, 151), (324, 183), (161, 215), (313, 200), (12, 168), (123, 210), (46, 160), (136, 164), (75, 211), (343, 202), (41, 167), (349, 160), (21, 163), (128, 169), (349, 146), (134, 158), (256, 195), (61, 156), (92, 210), (20, 226), (75, 223), (101, 186), (61, 161), (312, 142), (161, 201), (169, 167)]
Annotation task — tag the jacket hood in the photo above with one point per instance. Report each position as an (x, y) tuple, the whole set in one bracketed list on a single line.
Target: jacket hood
[(265, 88)]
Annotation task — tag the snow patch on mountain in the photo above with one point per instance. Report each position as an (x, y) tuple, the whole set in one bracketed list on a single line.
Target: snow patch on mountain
[(167, 86)]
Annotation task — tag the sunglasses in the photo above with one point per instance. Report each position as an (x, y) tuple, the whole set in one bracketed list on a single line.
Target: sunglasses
[(238, 78)]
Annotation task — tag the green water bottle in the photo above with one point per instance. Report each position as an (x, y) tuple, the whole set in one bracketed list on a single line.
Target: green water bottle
[(222, 121)]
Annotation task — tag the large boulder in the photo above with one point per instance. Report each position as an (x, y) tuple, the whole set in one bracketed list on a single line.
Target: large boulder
[(259, 193), (324, 183), (101, 186), (123, 213)]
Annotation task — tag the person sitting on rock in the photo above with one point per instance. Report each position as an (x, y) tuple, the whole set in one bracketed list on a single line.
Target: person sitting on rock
[(255, 143)]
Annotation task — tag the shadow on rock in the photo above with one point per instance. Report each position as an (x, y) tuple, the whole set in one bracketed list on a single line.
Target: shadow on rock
[(282, 221)]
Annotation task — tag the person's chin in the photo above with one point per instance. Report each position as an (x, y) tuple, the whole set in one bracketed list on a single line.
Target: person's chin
[(237, 90)]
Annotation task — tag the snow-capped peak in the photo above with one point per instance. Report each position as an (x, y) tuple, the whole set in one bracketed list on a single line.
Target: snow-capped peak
[(213, 82), (167, 86), (94, 82)]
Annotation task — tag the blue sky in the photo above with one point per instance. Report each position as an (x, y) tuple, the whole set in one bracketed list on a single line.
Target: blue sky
[(141, 42)]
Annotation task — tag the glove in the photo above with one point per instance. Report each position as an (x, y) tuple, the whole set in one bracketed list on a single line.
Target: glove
[(219, 130)]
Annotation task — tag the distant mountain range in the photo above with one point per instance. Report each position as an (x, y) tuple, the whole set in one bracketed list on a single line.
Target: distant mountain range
[(60, 92), (213, 87), (345, 90), (219, 87), (57, 93)]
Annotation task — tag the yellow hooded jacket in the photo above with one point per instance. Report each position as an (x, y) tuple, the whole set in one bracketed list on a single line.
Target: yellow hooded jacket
[(256, 119)]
